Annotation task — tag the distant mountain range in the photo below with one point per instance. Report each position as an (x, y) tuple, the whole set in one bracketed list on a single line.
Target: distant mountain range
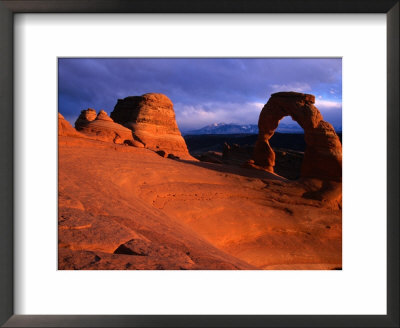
[(226, 128), (231, 128)]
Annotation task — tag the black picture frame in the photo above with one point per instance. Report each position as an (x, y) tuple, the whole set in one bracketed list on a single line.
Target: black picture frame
[(10, 7)]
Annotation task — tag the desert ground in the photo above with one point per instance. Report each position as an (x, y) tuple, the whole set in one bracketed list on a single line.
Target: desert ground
[(127, 205)]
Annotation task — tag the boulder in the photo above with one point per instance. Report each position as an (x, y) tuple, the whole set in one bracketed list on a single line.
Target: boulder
[(86, 116), (134, 143), (151, 118), (103, 128), (323, 155), (211, 157), (161, 153), (172, 156)]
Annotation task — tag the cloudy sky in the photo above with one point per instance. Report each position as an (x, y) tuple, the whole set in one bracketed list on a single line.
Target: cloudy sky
[(204, 91)]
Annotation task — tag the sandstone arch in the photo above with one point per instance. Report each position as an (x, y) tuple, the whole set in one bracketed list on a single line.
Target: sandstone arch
[(323, 155)]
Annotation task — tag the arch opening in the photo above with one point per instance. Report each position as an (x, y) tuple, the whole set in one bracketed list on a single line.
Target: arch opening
[(288, 144)]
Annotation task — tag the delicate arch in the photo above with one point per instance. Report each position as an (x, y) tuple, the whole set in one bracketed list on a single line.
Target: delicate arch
[(323, 154)]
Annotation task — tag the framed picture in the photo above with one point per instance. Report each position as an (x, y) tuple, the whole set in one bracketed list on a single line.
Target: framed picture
[(195, 163)]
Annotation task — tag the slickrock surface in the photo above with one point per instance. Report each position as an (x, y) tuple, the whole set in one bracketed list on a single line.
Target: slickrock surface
[(65, 128), (102, 127), (151, 117), (323, 155), (129, 208)]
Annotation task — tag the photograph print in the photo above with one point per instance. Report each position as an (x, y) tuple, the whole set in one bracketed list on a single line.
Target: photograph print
[(199, 164)]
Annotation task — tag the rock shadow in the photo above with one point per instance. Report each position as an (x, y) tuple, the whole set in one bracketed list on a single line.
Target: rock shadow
[(232, 169)]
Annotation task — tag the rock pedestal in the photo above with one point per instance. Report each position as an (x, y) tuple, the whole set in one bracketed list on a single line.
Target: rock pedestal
[(151, 118)]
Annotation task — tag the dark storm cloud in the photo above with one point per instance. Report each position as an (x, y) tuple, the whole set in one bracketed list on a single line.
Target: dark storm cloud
[(203, 90)]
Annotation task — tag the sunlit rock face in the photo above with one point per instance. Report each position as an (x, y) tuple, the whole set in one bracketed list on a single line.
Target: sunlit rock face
[(86, 116), (101, 127), (151, 117), (323, 155), (65, 129)]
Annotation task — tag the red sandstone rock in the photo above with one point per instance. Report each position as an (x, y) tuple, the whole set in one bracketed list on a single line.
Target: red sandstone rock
[(151, 118), (85, 117), (162, 153), (211, 157), (104, 128), (134, 143), (323, 155), (172, 156), (102, 115), (141, 247), (219, 216), (65, 128)]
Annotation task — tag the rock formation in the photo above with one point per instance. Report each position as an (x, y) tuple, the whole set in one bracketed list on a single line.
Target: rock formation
[(85, 117), (235, 154), (151, 118), (210, 157), (102, 127), (323, 155), (65, 129)]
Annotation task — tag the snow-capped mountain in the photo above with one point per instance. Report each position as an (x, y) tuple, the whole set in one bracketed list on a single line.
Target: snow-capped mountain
[(232, 128), (226, 128)]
